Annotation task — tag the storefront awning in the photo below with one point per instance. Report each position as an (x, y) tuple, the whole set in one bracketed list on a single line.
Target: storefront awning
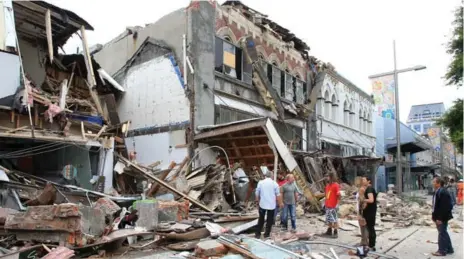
[(411, 147)]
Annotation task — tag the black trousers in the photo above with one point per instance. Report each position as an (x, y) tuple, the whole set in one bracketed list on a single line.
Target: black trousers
[(370, 225), (269, 222)]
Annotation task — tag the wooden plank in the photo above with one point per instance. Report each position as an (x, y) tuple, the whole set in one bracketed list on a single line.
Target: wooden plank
[(14, 130), (83, 130), (253, 156), (37, 8), (100, 131), (162, 183), (91, 83), (230, 129), (236, 138), (247, 147), (48, 30), (155, 187)]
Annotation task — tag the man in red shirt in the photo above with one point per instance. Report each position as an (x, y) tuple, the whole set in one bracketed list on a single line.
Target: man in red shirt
[(332, 198)]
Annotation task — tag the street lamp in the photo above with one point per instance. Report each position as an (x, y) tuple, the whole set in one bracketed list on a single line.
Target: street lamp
[(395, 72)]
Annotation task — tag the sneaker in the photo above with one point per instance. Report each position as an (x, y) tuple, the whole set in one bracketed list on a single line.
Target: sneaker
[(293, 230), (335, 234)]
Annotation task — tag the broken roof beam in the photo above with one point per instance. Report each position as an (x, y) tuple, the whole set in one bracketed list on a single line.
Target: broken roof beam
[(41, 7), (163, 183)]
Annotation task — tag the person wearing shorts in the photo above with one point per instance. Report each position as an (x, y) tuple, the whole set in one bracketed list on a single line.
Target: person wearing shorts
[(332, 198)]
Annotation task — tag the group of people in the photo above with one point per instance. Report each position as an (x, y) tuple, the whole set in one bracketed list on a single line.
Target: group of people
[(366, 198), (283, 195), (273, 196)]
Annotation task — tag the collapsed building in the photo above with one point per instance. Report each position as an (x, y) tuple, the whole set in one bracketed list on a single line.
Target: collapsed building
[(58, 118)]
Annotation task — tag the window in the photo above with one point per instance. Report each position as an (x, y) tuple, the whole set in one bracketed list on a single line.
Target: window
[(327, 105), (346, 114), (426, 127), (351, 116), (417, 127), (360, 121), (276, 79), (287, 86), (288, 90), (334, 108), (300, 91), (229, 60)]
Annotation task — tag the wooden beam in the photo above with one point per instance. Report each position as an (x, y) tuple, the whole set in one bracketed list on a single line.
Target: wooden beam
[(235, 138), (100, 132), (83, 130), (91, 83), (14, 130), (37, 8), (163, 183), (246, 147), (236, 149), (48, 31), (253, 156)]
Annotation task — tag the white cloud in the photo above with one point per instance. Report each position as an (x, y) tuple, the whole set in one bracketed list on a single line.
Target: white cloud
[(355, 36)]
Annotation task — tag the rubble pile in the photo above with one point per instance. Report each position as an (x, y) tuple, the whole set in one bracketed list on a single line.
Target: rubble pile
[(403, 212)]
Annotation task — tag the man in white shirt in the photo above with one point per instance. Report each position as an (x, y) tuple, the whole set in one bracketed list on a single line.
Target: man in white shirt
[(267, 195)]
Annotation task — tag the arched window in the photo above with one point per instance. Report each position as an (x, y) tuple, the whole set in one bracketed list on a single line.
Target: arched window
[(327, 106), (369, 123), (351, 115), (365, 122), (360, 120), (334, 108), (346, 114)]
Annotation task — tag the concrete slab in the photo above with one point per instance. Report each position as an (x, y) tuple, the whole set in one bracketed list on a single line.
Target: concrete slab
[(416, 246), (148, 214)]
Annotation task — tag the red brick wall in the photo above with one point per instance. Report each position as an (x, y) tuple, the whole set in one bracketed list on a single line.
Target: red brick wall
[(292, 64)]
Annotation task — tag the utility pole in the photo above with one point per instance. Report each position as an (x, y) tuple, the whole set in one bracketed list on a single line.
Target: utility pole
[(399, 166), (395, 72)]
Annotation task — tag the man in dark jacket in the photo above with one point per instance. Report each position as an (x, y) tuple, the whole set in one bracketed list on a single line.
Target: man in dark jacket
[(441, 214)]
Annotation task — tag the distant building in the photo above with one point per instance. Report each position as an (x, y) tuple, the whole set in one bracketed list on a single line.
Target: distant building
[(422, 117)]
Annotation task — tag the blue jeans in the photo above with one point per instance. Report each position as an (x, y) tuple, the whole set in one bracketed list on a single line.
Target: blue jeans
[(444, 240), (289, 208)]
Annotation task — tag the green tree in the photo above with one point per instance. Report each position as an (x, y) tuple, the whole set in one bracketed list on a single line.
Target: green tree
[(452, 120), (454, 48)]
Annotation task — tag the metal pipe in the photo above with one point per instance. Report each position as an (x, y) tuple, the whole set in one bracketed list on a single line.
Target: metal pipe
[(398, 71)]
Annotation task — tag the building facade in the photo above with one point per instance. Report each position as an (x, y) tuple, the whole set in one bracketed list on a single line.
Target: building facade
[(345, 125), (211, 78), (422, 117)]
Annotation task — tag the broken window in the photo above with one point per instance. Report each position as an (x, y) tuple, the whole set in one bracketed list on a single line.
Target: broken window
[(289, 89), (229, 60), (276, 79)]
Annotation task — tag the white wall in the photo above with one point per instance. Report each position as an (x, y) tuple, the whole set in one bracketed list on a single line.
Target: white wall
[(154, 95), (159, 147), (345, 98), (339, 124), (33, 61), (10, 73)]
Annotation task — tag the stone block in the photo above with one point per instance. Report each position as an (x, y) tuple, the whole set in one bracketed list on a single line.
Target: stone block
[(173, 211), (209, 248), (148, 214), (92, 220), (66, 223), (108, 206)]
